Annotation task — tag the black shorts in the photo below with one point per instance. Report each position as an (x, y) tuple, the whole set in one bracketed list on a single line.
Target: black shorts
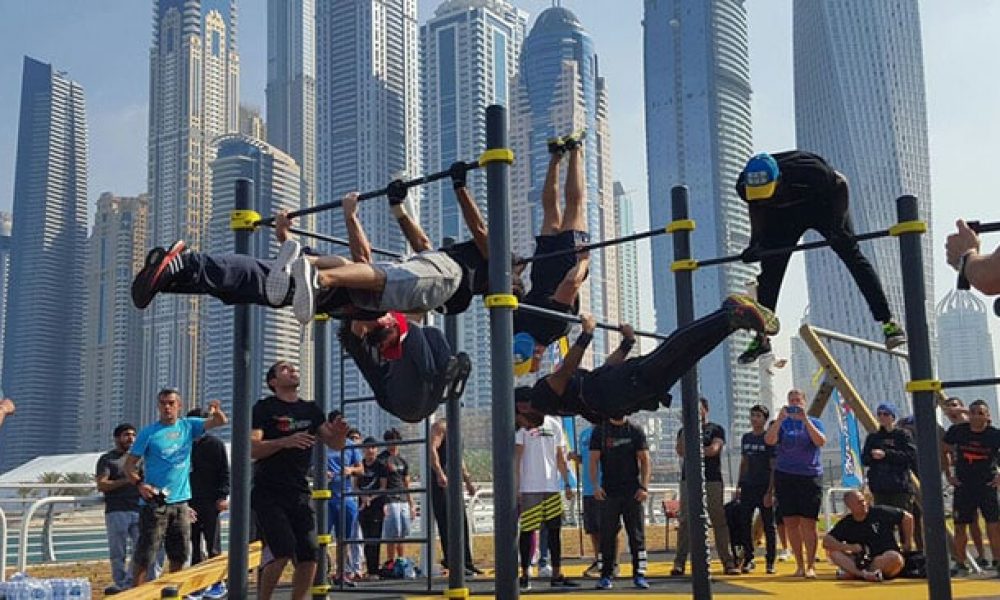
[(287, 523), (798, 495), (170, 525), (971, 498), (548, 273), (591, 515)]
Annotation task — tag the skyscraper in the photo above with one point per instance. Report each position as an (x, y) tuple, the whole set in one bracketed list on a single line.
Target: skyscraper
[(291, 85), (470, 50), (6, 221), (559, 91), (698, 134), (112, 360), (252, 123), (628, 257), (44, 327), (368, 117), (965, 347), (193, 98), (859, 102), (274, 333)]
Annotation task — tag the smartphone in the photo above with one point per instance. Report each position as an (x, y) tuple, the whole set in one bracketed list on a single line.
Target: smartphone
[(793, 409)]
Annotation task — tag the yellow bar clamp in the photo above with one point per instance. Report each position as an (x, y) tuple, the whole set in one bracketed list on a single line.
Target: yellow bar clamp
[(923, 385), (321, 317), (688, 264), (244, 220), (456, 593), (908, 227), (496, 155), (500, 301), (319, 590), (324, 539), (321, 494), (681, 225)]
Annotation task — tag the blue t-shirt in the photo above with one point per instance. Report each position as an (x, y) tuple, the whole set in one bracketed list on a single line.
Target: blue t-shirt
[(352, 457), (588, 485), (166, 454), (797, 455)]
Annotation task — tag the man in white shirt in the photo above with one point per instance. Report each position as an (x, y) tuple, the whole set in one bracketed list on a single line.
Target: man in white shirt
[(540, 459)]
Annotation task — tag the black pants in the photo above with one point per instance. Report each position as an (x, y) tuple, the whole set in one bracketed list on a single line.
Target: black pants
[(641, 383), (614, 510), (371, 519), (551, 528), (205, 527), (232, 278), (783, 227), (439, 500), (752, 499)]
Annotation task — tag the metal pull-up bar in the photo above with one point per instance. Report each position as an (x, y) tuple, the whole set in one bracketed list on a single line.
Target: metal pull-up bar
[(587, 247), (553, 314), (407, 184)]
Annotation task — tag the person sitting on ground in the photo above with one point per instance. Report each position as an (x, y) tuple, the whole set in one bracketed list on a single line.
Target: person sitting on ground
[(556, 281), (410, 367), (624, 386), (789, 193), (863, 544), (981, 270)]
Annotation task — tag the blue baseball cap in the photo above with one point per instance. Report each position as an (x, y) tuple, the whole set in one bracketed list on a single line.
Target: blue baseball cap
[(524, 351), (888, 408), (760, 177)]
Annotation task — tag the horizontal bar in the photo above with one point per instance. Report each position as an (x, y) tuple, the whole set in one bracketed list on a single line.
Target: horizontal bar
[(553, 314), (334, 240), (391, 592), (856, 341), (628, 238), (415, 490), (984, 227), (962, 383), (789, 250), (412, 442), (359, 400), (422, 540), (425, 179)]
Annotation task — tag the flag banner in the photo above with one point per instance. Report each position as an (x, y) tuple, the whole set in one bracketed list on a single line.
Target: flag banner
[(850, 444)]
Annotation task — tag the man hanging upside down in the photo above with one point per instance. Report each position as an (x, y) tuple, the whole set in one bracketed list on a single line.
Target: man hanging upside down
[(623, 386), (556, 282), (789, 193)]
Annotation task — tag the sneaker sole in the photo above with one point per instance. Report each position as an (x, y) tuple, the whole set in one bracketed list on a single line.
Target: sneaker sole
[(141, 291), (303, 300), (172, 253), (279, 278), (767, 322), (895, 342)]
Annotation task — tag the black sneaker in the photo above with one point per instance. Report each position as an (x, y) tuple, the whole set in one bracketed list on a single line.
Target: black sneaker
[(556, 146), (524, 583), (894, 335), (574, 140), (759, 346), (160, 266), (562, 582), (473, 570), (747, 313)]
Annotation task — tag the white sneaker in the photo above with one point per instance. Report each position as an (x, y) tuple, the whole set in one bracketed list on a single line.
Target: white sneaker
[(306, 284), (784, 555), (545, 571), (279, 279)]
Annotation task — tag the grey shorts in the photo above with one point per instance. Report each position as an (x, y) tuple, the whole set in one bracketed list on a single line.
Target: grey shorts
[(423, 282), (397, 520)]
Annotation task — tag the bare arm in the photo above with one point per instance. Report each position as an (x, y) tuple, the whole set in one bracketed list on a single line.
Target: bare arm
[(361, 248), (679, 445), (715, 448), (594, 460), (415, 234), (261, 448), (474, 220), (571, 362), (906, 531), (437, 438), (982, 270), (518, 454), (645, 470), (216, 418), (817, 437), (131, 469), (621, 352), (832, 543), (771, 437)]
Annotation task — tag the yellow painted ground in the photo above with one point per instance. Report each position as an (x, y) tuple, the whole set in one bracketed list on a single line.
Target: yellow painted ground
[(781, 585)]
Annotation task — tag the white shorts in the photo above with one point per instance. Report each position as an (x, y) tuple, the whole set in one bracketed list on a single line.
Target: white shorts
[(397, 520)]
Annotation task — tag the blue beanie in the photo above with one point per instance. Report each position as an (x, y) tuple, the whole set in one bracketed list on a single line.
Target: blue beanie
[(887, 407)]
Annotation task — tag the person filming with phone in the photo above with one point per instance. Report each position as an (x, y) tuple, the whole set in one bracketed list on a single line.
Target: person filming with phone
[(798, 477)]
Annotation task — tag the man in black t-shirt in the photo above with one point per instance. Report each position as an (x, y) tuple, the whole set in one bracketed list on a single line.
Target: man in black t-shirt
[(755, 489), (789, 193), (713, 440), (394, 474), (121, 506), (284, 429), (974, 451), (623, 386), (209, 491), (372, 512), (621, 451), (863, 544)]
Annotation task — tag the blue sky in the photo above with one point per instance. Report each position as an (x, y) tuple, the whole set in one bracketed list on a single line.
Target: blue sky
[(104, 44)]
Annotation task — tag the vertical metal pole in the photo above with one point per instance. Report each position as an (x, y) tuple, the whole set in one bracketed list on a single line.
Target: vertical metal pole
[(455, 501), (919, 357), (239, 509), (428, 512), (321, 396), (694, 488), (502, 349)]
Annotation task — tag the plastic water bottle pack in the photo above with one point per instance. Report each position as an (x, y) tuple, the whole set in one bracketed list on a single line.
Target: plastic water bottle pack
[(23, 587)]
